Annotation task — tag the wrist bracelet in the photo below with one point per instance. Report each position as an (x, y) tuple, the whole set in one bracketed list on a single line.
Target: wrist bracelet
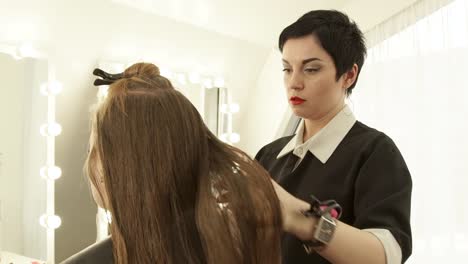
[(326, 212)]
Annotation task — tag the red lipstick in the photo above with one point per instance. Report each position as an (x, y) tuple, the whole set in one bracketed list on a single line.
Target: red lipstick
[(296, 100)]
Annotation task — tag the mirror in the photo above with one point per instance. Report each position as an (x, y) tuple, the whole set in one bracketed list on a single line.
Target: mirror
[(23, 109)]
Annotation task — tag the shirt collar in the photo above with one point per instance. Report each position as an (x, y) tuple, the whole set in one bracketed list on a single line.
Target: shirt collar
[(324, 142)]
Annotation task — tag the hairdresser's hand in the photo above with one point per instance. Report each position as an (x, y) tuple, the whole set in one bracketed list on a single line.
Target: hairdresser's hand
[(292, 209)]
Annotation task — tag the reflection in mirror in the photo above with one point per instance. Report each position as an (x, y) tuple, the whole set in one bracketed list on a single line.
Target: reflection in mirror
[(226, 111), (23, 152), (211, 114)]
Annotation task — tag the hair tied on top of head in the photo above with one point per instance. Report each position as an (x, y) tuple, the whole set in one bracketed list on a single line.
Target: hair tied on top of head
[(107, 78), (143, 70)]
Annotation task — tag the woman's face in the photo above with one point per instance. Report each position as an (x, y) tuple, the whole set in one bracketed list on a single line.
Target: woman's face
[(310, 78)]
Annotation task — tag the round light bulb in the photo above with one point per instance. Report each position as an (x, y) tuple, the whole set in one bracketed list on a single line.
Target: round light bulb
[(224, 108), (52, 129), (181, 79), (117, 67), (51, 172), (50, 221), (208, 83), (55, 87), (234, 108), (166, 73), (219, 82), (234, 138), (51, 88), (224, 137), (194, 77), (27, 51)]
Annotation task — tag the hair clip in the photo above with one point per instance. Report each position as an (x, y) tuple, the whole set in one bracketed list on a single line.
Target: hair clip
[(107, 78)]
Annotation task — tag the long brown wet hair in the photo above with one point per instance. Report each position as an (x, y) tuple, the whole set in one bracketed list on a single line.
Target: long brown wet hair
[(176, 193)]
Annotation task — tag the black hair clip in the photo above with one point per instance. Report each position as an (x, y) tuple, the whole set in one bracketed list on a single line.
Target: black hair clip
[(107, 78)]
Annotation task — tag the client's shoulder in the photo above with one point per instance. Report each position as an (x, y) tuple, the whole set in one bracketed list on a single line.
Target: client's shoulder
[(100, 252)]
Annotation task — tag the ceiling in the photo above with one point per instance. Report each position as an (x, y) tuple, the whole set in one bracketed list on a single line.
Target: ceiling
[(260, 21)]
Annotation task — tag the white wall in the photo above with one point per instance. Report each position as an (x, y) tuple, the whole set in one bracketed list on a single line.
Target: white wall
[(267, 107), (79, 34), (369, 13)]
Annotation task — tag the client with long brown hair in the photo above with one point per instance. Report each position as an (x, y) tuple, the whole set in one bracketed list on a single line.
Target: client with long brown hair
[(176, 193)]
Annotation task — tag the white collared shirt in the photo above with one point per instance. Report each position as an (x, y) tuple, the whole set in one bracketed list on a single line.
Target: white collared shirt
[(322, 145)]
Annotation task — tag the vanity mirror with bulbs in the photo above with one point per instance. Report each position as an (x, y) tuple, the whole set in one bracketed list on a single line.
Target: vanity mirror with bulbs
[(27, 147), (27, 162)]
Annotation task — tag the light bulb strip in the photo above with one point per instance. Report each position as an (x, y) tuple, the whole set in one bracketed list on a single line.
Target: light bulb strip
[(49, 220), (225, 122), (25, 50), (50, 183)]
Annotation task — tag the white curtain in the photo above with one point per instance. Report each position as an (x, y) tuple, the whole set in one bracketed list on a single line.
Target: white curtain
[(414, 87)]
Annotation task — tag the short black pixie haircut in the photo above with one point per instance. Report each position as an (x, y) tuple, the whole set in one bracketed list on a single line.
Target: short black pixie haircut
[(338, 35)]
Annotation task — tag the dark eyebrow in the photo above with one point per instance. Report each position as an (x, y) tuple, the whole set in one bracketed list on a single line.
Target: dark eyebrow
[(304, 61)]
